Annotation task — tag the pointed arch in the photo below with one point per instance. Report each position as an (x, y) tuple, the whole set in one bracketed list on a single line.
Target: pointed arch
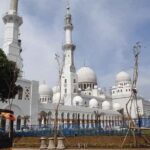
[(49, 117), (18, 123), (62, 119), (68, 120), (42, 118)]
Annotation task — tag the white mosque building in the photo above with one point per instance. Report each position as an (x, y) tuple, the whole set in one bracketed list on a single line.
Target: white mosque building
[(81, 98)]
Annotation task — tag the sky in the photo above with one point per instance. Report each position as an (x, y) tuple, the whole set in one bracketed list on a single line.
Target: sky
[(105, 32)]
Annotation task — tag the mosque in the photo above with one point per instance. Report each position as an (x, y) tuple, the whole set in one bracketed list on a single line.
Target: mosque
[(81, 99)]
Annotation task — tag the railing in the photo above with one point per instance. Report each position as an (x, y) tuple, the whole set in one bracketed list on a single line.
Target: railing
[(70, 132), (79, 129)]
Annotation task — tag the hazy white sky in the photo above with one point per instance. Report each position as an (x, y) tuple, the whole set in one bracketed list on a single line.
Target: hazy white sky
[(104, 34)]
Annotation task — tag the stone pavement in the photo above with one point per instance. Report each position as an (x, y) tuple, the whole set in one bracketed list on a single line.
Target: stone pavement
[(81, 149)]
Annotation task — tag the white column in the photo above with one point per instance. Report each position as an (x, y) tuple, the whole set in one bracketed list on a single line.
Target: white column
[(13, 6), (68, 36)]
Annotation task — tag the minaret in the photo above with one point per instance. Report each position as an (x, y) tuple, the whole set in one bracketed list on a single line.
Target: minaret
[(68, 47), (12, 43), (69, 84)]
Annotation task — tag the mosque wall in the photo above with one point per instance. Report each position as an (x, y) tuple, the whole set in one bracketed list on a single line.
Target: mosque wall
[(146, 108)]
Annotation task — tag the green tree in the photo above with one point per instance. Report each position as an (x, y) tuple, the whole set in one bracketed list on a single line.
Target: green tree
[(8, 77)]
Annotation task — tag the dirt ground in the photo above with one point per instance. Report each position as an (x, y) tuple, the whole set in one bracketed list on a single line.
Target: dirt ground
[(80, 149), (84, 142)]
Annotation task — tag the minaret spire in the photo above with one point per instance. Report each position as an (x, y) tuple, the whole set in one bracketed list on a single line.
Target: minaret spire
[(68, 46), (68, 7), (69, 84), (13, 6), (68, 25), (12, 42)]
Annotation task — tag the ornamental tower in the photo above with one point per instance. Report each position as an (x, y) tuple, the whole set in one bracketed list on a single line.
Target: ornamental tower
[(12, 43), (69, 84)]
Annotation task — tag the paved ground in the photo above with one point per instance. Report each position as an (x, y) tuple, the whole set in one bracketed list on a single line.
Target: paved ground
[(82, 149)]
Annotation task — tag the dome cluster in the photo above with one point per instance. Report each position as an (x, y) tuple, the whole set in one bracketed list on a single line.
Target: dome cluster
[(77, 101), (45, 90), (116, 106), (45, 93), (56, 94), (87, 82), (86, 74), (123, 76), (93, 103), (56, 97), (48, 94), (56, 89), (123, 85), (86, 78), (106, 105)]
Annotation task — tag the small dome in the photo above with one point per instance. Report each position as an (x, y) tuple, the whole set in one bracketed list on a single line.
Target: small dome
[(93, 103), (116, 106), (123, 76), (106, 105), (77, 101), (102, 96), (86, 75), (56, 97), (56, 89), (45, 90)]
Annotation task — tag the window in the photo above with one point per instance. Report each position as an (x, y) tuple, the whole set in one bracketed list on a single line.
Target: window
[(18, 123), (65, 91), (74, 90), (77, 103), (65, 80), (90, 86), (74, 81), (20, 93), (27, 93)]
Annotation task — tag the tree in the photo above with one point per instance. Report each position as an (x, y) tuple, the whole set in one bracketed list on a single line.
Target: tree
[(8, 77)]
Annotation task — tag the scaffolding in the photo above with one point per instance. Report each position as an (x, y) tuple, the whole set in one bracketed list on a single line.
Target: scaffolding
[(132, 103)]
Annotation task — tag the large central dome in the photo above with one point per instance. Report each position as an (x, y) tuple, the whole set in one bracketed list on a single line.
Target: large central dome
[(86, 75)]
